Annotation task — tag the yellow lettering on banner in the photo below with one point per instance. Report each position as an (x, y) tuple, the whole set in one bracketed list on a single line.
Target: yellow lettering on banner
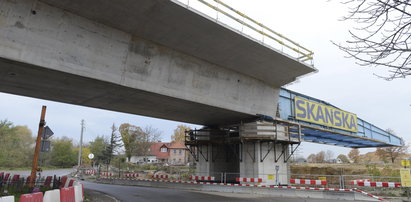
[(314, 112), (405, 177), (270, 177), (322, 178), (405, 162)]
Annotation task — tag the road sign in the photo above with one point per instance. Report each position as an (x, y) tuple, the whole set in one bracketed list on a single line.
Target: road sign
[(405, 177), (45, 145), (405, 162), (91, 156), (47, 133)]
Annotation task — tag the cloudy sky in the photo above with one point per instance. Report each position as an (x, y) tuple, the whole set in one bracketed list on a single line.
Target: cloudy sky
[(313, 24)]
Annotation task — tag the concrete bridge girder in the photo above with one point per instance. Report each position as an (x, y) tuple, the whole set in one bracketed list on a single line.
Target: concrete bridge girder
[(49, 53)]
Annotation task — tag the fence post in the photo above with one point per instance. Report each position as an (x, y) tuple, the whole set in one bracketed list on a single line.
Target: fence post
[(342, 186), (222, 177), (225, 177)]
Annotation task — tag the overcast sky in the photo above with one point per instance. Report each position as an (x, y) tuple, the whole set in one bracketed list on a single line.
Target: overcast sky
[(313, 24)]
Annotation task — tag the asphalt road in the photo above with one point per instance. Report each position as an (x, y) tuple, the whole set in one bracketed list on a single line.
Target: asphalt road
[(150, 194)]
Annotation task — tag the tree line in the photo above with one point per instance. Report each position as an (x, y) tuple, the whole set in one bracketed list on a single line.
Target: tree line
[(385, 154), (17, 146)]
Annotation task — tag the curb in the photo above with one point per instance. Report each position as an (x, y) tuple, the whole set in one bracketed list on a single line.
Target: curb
[(253, 185), (368, 194), (239, 185)]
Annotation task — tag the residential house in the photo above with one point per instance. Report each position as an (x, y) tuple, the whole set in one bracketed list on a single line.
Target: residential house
[(173, 153)]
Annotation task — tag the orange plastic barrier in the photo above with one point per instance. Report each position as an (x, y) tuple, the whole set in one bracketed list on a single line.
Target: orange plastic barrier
[(36, 197), (67, 195)]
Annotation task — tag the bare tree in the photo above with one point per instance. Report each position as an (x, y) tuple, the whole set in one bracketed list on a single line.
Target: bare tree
[(320, 157), (311, 158), (354, 155), (149, 136), (382, 37), (391, 153), (329, 155)]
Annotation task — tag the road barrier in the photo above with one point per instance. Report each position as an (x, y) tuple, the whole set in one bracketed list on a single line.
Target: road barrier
[(131, 175), (6, 177), (78, 193), (308, 182), (368, 194), (7, 199), (35, 197), (14, 179), (63, 182), (71, 182), (47, 182), (71, 190), (76, 183), (160, 176), (90, 172), (355, 182), (254, 187), (244, 179), (202, 178), (379, 184), (52, 196), (67, 194), (107, 174)]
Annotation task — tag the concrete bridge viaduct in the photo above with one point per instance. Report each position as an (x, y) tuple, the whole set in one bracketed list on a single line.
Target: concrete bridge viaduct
[(156, 58)]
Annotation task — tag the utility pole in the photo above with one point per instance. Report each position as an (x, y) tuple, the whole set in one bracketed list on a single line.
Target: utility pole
[(37, 148), (81, 144)]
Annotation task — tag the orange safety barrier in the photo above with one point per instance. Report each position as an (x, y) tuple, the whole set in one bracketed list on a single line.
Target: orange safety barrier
[(67, 195), (36, 197)]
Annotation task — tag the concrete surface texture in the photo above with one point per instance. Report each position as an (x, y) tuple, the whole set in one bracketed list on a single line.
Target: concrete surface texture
[(105, 60), (188, 31)]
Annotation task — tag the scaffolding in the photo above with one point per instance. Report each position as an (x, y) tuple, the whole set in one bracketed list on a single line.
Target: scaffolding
[(206, 143)]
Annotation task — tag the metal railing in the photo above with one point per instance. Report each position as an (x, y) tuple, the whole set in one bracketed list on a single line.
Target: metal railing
[(274, 39)]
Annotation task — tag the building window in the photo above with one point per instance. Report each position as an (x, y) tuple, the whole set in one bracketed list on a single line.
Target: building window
[(180, 151), (163, 149), (175, 151)]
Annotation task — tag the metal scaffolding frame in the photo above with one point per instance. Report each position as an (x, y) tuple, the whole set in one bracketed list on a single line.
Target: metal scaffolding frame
[(200, 142)]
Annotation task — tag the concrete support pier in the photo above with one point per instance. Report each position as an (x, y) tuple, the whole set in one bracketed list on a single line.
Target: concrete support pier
[(256, 152)]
